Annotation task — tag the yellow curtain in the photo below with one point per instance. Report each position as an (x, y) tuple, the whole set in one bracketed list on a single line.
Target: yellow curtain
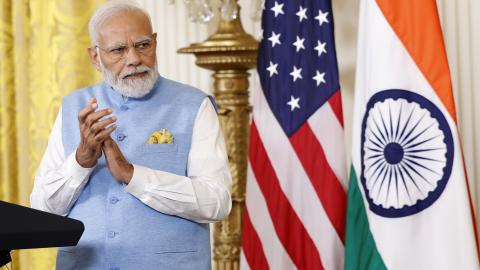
[(43, 56)]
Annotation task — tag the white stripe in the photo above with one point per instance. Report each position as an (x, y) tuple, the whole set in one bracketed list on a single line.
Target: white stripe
[(243, 261), (329, 133), (296, 185), (274, 251)]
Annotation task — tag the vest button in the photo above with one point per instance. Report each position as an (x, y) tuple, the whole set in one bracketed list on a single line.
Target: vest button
[(114, 200), (121, 137), (112, 234), (124, 107)]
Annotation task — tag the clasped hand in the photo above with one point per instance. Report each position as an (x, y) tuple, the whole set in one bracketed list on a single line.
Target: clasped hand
[(95, 139)]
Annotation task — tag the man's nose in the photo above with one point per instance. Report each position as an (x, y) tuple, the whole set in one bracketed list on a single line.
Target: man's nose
[(133, 57)]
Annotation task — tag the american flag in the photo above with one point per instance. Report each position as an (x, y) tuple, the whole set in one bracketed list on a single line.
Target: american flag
[(297, 177)]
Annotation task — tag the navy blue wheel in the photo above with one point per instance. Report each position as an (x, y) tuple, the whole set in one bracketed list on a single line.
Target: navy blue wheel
[(406, 153)]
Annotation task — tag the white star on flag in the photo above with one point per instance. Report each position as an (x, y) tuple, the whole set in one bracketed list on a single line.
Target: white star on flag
[(320, 48), (302, 14), (275, 39), (322, 17), (296, 73), (319, 78), (278, 9), (299, 43), (293, 103), (272, 68)]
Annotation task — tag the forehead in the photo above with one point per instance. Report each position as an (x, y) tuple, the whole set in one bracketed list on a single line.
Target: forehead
[(123, 27)]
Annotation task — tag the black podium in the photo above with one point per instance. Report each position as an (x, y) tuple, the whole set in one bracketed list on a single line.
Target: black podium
[(23, 227)]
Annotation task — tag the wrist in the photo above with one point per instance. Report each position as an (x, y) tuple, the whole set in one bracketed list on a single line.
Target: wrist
[(128, 173), (85, 163)]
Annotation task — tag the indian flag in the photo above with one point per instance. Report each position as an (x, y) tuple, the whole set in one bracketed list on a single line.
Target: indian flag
[(408, 200)]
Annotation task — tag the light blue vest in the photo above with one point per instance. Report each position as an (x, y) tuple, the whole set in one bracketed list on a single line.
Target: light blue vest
[(121, 232)]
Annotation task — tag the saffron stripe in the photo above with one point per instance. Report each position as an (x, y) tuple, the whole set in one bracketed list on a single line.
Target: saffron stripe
[(326, 185), (425, 44), (252, 246), (288, 226)]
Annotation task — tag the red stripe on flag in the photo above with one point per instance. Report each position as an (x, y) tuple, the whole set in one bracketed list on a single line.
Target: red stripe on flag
[(326, 184), (290, 230), (335, 102), (252, 247)]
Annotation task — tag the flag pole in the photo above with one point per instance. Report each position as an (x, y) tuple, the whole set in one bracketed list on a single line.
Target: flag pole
[(230, 52)]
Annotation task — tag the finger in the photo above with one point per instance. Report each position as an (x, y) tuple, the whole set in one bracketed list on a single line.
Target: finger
[(91, 106), (93, 117), (100, 125), (104, 134)]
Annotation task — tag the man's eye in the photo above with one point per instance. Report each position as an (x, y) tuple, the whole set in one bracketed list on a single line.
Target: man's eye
[(119, 50), (143, 46)]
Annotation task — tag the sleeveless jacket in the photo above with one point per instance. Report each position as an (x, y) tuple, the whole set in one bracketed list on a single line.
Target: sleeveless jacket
[(121, 232)]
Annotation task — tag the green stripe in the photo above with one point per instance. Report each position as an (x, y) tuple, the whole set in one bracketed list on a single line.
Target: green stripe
[(360, 249)]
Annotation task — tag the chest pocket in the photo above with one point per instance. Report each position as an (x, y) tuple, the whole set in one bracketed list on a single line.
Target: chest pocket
[(160, 148), (169, 157)]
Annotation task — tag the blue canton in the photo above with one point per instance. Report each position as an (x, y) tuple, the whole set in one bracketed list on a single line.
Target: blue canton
[(297, 60)]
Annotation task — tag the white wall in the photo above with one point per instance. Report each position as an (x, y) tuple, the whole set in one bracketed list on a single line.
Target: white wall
[(460, 21)]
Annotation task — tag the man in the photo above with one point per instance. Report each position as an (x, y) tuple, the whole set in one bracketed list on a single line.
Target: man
[(139, 159)]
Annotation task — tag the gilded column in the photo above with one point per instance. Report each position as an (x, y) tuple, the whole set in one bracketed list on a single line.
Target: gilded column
[(230, 53)]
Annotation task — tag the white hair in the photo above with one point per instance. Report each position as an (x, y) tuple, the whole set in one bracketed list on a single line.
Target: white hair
[(108, 10), (135, 88)]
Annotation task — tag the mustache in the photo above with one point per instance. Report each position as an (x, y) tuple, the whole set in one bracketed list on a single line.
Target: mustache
[(135, 70)]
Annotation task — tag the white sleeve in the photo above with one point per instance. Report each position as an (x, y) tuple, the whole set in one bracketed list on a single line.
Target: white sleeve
[(58, 180), (204, 195)]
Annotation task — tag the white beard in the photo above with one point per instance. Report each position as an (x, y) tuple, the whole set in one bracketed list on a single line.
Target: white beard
[(131, 87)]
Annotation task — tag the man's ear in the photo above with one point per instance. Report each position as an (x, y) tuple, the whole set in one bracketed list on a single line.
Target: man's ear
[(94, 57)]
